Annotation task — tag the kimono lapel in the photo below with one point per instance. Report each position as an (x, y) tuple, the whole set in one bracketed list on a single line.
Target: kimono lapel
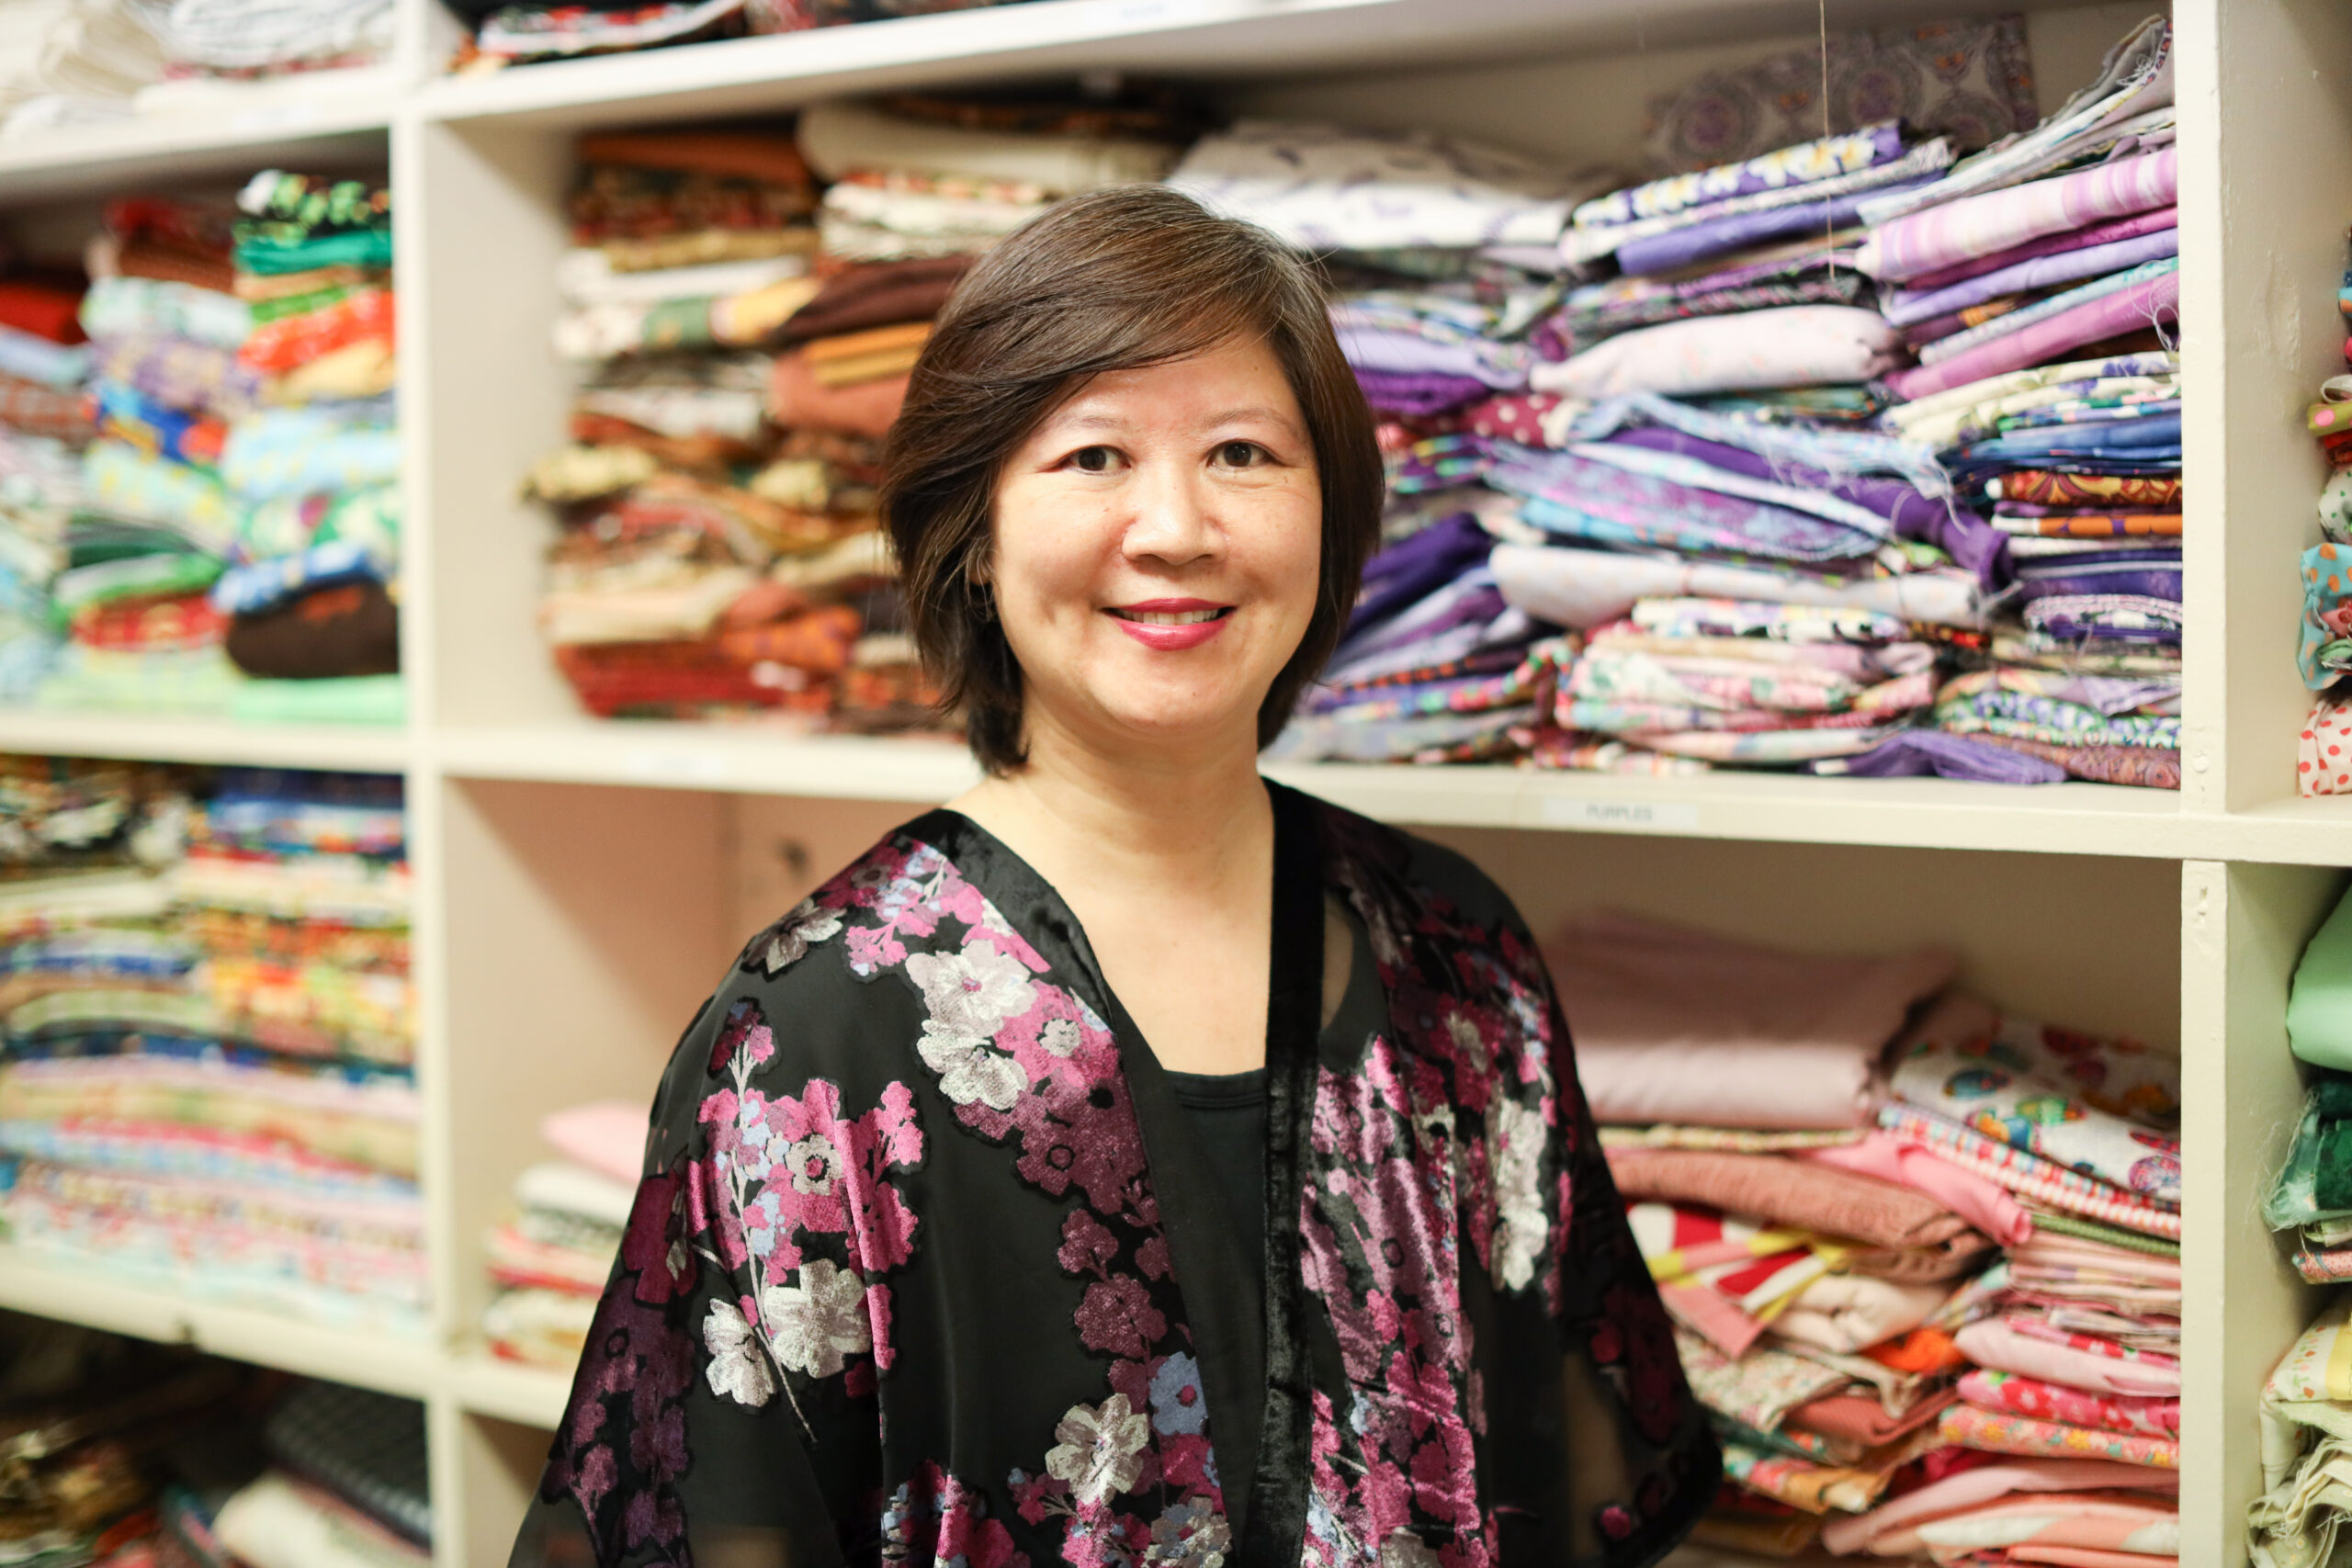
[(1255, 1369)]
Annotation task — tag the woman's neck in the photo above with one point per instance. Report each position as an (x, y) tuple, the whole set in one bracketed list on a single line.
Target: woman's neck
[(1177, 823)]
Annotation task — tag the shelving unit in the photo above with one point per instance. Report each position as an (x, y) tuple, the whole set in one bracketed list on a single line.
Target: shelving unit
[(580, 885)]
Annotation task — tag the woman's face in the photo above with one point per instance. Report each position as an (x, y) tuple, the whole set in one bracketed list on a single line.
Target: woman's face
[(1158, 549)]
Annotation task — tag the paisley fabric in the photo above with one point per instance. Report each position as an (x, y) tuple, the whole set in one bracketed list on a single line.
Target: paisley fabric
[(926, 1267)]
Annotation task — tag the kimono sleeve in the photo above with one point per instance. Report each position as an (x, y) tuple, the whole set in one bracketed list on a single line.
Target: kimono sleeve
[(686, 1438)]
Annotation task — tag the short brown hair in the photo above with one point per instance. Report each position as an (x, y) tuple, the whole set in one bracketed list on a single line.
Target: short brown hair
[(1118, 280)]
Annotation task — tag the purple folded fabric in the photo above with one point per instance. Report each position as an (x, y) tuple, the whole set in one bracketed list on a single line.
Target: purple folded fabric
[(1698, 241), (1919, 334), (1903, 307), (1409, 354), (1917, 753), (1409, 570), (2155, 302), (1414, 394), (1949, 527), (2149, 582), (1937, 236), (2105, 233)]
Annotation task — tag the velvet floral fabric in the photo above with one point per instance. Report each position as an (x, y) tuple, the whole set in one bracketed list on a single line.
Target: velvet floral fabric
[(925, 1268)]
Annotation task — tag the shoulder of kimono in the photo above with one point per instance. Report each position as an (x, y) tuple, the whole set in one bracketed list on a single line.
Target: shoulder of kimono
[(1430, 881)]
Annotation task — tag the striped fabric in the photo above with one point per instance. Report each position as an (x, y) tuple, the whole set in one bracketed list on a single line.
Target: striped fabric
[(2027, 1174), (1982, 225)]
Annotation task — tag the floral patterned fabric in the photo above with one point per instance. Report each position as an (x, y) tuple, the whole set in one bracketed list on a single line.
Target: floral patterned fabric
[(926, 1269)]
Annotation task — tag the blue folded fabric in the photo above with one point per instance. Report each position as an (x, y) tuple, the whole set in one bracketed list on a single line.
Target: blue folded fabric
[(263, 585)]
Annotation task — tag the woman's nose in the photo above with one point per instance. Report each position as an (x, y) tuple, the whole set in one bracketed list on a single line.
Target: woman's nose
[(1173, 517)]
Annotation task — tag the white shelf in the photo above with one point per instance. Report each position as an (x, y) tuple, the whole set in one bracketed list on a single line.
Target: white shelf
[(329, 130), (733, 759), (484, 1384), (1220, 39), (367, 1356), (378, 748)]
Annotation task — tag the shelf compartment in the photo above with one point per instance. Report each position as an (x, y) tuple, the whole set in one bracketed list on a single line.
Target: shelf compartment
[(362, 1355)]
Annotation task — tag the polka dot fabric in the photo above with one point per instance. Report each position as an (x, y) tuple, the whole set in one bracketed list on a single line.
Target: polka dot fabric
[(2324, 759)]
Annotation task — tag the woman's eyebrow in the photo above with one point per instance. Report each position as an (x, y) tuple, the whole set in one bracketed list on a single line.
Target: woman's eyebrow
[(1253, 412)]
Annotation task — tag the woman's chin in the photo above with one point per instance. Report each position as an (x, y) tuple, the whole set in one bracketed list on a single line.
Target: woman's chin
[(1209, 725)]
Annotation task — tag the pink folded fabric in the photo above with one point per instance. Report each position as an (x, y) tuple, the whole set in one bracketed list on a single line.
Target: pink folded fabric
[(1794, 345), (607, 1137), (2077, 1360), (1795, 1192), (2117, 1523), (1890, 1529), (2106, 233), (2086, 1557), (2018, 1396), (1980, 225), (1995, 1432), (2154, 303), (1861, 1418), (1980, 1202), (1677, 1025), (2028, 1175)]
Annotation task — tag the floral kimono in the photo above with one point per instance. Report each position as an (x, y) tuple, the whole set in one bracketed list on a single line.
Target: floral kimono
[(927, 1267)]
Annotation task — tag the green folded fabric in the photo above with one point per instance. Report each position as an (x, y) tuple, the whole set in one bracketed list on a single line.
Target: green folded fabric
[(2319, 1006), (344, 699)]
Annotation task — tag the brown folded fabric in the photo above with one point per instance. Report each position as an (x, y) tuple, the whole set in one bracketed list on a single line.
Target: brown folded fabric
[(175, 264), (1791, 1192), (864, 366), (874, 340), (797, 400), (349, 628), (1766, 1535), (1861, 1418), (699, 246), (877, 294), (772, 159)]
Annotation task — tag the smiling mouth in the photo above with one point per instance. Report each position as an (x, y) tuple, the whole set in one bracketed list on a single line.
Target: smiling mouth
[(1173, 617)]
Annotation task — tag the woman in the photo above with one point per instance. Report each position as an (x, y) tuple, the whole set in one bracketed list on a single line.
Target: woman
[(1133, 1162)]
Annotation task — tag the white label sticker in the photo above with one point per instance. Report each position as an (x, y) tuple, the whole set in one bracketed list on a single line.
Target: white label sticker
[(677, 767), (1623, 816)]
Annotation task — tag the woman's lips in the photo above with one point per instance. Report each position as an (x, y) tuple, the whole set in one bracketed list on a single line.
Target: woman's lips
[(1172, 625)]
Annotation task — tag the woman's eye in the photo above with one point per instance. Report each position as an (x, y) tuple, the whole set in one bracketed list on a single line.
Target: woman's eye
[(1240, 454), (1092, 459)]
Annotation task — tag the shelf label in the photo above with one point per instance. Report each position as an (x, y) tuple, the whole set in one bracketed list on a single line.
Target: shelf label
[(1623, 816), (676, 767)]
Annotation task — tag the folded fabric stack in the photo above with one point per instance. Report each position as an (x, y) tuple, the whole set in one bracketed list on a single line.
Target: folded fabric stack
[(689, 250), (119, 1445), (44, 425), (313, 470), (206, 1081), (346, 1487), (549, 1262), (720, 553), (155, 522), (1442, 255), (2322, 766), (1910, 1345), (67, 63), (2034, 282)]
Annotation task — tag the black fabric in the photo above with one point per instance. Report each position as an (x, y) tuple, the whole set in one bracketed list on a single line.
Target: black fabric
[(1226, 1112)]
